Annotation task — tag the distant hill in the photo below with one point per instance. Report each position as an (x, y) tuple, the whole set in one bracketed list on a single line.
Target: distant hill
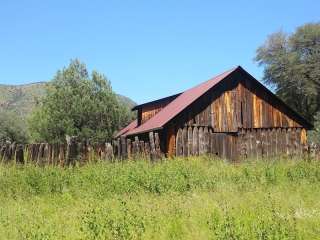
[(22, 99)]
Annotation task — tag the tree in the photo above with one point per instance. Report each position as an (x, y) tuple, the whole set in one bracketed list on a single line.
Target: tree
[(292, 66), (11, 128), (78, 104), (314, 135)]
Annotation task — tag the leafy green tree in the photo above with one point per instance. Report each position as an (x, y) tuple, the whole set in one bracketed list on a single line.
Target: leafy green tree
[(78, 104), (314, 135), (292, 66), (11, 128)]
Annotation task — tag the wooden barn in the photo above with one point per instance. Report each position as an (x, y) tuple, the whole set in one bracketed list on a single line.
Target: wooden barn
[(231, 115)]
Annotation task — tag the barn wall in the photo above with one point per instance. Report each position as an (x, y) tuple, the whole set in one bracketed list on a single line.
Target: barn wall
[(247, 107), (236, 105), (148, 111), (259, 110), (247, 143), (272, 142)]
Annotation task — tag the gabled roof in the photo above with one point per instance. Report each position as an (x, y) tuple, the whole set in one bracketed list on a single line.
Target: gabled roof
[(183, 100), (178, 105), (169, 98)]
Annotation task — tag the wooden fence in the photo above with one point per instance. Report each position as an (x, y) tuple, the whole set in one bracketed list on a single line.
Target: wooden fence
[(246, 143), (73, 151), (189, 142)]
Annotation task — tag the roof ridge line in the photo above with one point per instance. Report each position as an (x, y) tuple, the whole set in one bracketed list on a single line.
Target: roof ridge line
[(226, 73)]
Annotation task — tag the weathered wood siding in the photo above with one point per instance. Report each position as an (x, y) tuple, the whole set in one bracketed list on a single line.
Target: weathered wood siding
[(258, 110), (170, 141), (149, 111), (255, 143), (247, 143), (238, 105), (229, 107)]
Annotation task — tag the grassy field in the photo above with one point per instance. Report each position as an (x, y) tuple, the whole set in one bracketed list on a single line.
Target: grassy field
[(198, 198)]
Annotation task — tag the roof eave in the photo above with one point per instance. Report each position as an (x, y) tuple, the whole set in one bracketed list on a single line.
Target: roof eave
[(145, 131), (155, 101)]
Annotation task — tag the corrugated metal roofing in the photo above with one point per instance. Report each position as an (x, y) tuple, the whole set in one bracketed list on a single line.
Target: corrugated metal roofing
[(178, 105)]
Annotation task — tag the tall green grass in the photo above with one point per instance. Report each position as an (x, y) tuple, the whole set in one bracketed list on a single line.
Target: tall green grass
[(196, 198)]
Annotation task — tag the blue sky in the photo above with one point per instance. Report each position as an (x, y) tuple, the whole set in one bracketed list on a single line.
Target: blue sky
[(147, 49)]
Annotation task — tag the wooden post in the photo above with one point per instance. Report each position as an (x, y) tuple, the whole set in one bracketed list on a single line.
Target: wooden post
[(46, 157), (19, 154), (184, 141), (12, 151), (72, 151), (206, 140), (152, 146), (5, 152), (62, 154), (157, 145), (201, 141), (146, 149), (142, 149), (123, 147), (128, 148), (40, 153), (109, 152), (190, 139), (119, 148), (2, 149), (179, 148), (195, 141), (136, 146)]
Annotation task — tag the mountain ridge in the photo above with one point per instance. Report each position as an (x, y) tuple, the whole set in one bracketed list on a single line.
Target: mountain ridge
[(21, 99)]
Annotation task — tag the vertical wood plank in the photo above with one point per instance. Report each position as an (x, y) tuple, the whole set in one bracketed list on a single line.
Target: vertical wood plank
[(201, 141), (152, 146), (190, 140), (195, 141), (179, 149), (185, 141), (157, 145)]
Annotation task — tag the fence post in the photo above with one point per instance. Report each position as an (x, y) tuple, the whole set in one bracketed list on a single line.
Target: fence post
[(152, 146), (157, 145), (123, 147), (72, 150), (128, 148), (19, 154), (118, 148), (109, 151)]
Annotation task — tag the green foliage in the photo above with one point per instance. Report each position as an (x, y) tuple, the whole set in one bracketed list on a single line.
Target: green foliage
[(314, 135), (197, 198), (11, 128), (101, 222), (78, 104), (21, 99), (292, 66)]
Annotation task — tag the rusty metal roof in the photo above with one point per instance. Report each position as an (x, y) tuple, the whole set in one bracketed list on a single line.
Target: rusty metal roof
[(172, 97), (178, 105)]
